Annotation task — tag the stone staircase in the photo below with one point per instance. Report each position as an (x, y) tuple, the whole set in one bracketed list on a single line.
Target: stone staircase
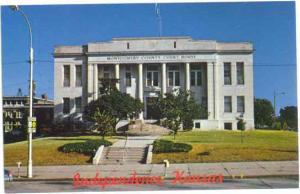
[(119, 155)]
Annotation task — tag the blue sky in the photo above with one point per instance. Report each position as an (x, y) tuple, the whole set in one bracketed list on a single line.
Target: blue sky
[(269, 26)]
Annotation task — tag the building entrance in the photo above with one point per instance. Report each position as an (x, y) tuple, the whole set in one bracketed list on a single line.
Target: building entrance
[(152, 110)]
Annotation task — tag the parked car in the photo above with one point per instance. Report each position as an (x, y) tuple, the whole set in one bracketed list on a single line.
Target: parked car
[(7, 175)]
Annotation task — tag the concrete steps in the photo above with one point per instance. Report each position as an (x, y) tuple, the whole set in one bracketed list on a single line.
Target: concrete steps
[(119, 155)]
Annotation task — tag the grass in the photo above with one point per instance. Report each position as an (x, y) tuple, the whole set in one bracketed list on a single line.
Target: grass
[(226, 146), (45, 151)]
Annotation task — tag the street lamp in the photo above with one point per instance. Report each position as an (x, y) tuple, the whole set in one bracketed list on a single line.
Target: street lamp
[(275, 94), (29, 169)]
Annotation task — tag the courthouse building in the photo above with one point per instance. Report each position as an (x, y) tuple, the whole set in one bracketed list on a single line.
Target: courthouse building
[(220, 74)]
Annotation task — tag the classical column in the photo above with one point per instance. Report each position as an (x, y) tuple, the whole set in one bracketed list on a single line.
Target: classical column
[(164, 79), (90, 83), (187, 76), (141, 87), (95, 80), (210, 90), (117, 75), (216, 92)]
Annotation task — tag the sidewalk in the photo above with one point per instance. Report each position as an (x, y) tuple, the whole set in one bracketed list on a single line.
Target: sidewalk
[(227, 169)]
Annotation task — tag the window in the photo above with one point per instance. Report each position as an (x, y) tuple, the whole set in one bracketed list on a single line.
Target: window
[(106, 71), (152, 75), (228, 126), (66, 105), (240, 73), (196, 76), (128, 46), (175, 44), (197, 125), (128, 76), (227, 73), (78, 104), (174, 75), (78, 69), (241, 104), (67, 75), (227, 104)]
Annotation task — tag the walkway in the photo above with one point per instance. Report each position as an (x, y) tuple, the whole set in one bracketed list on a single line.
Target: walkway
[(135, 141), (227, 169)]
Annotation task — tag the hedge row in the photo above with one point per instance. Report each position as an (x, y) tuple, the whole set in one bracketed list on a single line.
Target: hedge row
[(89, 147), (165, 146)]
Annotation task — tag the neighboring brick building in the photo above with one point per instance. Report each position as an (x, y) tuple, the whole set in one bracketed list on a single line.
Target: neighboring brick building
[(16, 109)]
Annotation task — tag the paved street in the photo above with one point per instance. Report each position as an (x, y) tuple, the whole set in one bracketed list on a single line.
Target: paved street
[(66, 186)]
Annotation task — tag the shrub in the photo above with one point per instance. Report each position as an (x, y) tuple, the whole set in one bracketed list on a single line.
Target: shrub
[(165, 146), (285, 126), (66, 127), (88, 148), (188, 124), (277, 125)]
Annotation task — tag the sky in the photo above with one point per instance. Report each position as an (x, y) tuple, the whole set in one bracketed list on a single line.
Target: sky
[(270, 26)]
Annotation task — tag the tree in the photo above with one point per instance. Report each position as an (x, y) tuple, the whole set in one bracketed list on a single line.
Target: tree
[(173, 123), (107, 85), (263, 113), (116, 104), (179, 107), (289, 115), (104, 122)]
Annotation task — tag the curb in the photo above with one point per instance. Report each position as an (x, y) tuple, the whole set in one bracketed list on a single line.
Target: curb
[(166, 178)]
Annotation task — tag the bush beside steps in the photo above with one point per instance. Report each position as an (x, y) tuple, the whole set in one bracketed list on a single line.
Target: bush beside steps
[(89, 147), (165, 146)]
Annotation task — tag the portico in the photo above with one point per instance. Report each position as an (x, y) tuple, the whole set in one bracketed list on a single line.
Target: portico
[(148, 80)]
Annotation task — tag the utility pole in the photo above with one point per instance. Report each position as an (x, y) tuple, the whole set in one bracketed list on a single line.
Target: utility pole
[(29, 169)]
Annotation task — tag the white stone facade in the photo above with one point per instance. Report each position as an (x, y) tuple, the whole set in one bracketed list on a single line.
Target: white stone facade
[(219, 74)]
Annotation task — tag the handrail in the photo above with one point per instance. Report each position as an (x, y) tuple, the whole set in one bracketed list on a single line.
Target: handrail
[(125, 149)]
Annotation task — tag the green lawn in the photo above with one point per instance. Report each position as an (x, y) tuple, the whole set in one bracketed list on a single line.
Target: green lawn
[(226, 146), (45, 151)]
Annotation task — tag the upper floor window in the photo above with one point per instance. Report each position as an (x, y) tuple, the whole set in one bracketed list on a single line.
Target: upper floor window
[(66, 105), (128, 75), (227, 73), (196, 76), (174, 75), (152, 75), (106, 71), (67, 76), (227, 104), (240, 73), (241, 104), (78, 69)]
